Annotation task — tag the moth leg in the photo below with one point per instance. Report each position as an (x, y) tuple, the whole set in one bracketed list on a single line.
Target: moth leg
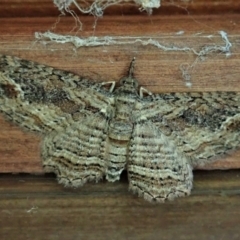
[(111, 83), (144, 90)]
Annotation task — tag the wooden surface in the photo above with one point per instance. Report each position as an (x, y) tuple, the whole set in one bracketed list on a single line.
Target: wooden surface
[(36, 207), (45, 8), (155, 69)]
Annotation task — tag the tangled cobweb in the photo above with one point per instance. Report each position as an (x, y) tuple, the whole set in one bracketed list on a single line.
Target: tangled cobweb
[(97, 7)]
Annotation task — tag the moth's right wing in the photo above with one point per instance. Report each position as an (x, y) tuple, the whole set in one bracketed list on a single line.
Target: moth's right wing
[(43, 99), (77, 154)]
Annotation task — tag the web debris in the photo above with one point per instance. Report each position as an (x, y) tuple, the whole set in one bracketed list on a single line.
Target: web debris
[(97, 9), (32, 210), (186, 69), (98, 6), (94, 41)]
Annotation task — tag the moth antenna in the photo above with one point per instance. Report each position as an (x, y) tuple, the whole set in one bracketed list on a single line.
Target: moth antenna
[(131, 68)]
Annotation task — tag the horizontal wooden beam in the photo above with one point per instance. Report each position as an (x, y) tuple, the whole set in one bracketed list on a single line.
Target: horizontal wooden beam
[(46, 8), (41, 207), (157, 70)]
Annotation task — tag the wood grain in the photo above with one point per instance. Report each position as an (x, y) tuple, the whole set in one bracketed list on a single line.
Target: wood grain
[(35, 206), (46, 8), (155, 69)]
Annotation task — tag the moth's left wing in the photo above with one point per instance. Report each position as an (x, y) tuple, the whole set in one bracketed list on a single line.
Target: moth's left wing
[(44, 99), (203, 126), (157, 170)]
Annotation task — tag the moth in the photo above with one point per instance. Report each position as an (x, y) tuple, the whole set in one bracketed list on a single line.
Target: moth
[(93, 130)]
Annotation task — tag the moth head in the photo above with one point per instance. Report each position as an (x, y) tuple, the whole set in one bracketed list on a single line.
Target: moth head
[(129, 81)]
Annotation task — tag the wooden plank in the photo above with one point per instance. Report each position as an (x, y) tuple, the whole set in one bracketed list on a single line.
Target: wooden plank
[(46, 8), (155, 69), (33, 207)]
